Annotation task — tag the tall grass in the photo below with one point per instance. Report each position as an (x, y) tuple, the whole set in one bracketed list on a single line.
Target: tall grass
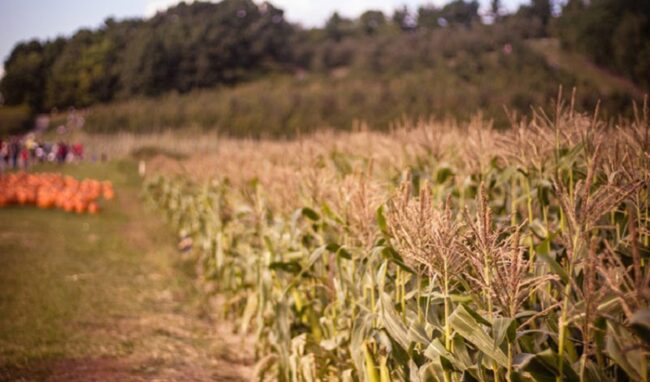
[(436, 252)]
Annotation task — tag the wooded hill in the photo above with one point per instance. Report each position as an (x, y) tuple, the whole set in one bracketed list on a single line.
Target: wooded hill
[(464, 61)]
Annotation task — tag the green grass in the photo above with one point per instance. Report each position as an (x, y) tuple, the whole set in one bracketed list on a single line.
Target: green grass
[(67, 281)]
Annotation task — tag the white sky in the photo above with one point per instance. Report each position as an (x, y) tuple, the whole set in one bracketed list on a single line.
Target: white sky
[(314, 13)]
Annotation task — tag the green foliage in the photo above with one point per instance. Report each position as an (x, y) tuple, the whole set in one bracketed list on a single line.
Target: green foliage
[(14, 119), (186, 47), (26, 72), (82, 74)]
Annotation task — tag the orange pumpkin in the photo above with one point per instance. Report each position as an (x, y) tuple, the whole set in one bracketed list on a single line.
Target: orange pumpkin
[(93, 208), (48, 190), (109, 194)]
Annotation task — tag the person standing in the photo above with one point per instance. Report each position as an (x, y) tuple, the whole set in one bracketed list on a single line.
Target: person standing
[(62, 154), (24, 157), (14, 151), (4, 155)]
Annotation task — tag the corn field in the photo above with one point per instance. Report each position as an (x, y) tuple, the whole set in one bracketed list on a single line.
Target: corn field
[(434, 252)]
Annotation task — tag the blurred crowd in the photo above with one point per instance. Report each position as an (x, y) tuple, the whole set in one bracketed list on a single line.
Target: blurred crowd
[(21, 152)]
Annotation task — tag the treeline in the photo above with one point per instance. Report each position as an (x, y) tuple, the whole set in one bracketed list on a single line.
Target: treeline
[(203, 44), (216, 45), (188, 46)]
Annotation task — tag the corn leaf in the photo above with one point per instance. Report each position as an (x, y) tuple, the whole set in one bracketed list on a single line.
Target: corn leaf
[(543, 366), (469, 328), (640, 324)]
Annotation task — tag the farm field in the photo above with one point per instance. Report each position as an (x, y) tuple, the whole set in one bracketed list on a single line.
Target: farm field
[(103, 297), (343, 191), (435, 252)]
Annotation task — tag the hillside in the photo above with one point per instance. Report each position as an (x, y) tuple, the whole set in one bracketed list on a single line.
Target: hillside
[(487, 81), (238, 67)]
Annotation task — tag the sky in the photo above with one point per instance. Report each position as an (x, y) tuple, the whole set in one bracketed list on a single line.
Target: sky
[(22, 20)]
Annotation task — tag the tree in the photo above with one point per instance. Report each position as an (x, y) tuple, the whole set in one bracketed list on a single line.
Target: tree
[(428, 16), (403, 18), (82, 73), (337, 27), (457, 12), (24, 76), (542, 9), (460, 12), (371, 21), (495, 9)]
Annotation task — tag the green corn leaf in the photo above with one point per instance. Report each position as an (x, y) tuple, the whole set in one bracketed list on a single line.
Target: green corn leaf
[(461, 352), (310, 214), (327, 212), (455, 297), (339, 250), (555, 267), (477, 316), (381, 220), (640, 324), (392, 255), (417, 333), (443, 174), (436, 350), (292, 267), (249, 312), (538, 228), (593, 373), (371, 370), (361, 329), (393, 322), (503, 328), (390, 318), (432, 372), (313, 258), (469, 328), (543, 366), (384, 373), (616, 341)]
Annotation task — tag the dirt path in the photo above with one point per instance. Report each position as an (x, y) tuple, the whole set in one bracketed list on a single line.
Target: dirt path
[(106, 298)]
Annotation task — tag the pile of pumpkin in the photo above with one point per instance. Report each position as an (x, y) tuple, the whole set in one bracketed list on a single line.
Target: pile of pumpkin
[(50, 190)]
